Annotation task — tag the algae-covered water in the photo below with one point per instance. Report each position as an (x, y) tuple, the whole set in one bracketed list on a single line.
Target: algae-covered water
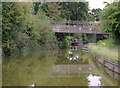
[(63, 67)]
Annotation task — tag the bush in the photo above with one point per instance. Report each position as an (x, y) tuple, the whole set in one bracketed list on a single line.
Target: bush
[(108, 43), (23, 29), (110, 21)]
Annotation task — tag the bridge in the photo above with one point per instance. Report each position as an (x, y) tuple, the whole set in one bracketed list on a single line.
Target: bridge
[(76, 27)]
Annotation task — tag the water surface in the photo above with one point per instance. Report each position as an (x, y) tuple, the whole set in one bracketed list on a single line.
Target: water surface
[(63, 67)]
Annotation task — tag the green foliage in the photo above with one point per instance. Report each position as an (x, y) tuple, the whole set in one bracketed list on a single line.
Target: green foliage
[(40, 31), (36, 7), (87, 38), (66, 10), (67, 41), (109, 47), (23, 29), (108, 43), (110, 20), (95, 13), (104, 51), (77, 35), (10, 23), (68, 38), (52, 10), (74, 10)]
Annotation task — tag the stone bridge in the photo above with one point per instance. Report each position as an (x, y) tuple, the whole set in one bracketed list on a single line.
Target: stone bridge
[(76, 27)]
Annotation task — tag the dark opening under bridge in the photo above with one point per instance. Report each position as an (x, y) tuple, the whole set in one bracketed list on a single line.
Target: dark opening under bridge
[(76, 27)]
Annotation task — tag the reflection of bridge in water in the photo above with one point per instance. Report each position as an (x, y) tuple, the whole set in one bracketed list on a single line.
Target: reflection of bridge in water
[(75, 27), (84, 68)]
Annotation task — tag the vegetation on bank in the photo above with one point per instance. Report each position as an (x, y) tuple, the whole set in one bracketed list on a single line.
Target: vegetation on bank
[(105, 48), (21, 28), (25, 24), (110, 22)]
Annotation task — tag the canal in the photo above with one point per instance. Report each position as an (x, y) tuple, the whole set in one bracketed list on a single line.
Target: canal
[(63, 67)]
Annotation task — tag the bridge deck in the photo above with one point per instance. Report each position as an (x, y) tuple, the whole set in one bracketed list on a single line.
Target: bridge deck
[(77, 29)]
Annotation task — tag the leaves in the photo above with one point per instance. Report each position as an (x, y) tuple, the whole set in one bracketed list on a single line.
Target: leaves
[(95, 13), (22, 28), (74, 10), (52, 10), (110, 20)]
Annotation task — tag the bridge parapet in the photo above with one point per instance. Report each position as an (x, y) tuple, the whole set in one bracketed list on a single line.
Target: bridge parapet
[(69, 22), (71, 26)]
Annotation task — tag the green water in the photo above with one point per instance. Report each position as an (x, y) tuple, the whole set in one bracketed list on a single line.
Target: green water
[(65, 67)]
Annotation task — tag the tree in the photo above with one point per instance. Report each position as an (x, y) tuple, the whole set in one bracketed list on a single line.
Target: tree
[(52, 10), (74, 10), (66, 10), (21, 28), (95, 13), (110, 20), (36, 7), (0, 24), (13, 15)]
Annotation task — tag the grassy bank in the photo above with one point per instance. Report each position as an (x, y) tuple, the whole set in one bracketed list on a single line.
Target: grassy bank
[(105, 48)]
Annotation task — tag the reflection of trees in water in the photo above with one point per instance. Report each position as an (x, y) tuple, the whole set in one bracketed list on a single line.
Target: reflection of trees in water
[(30, 52), (32, 69), (69, 56), (78, 56), (63, 53)]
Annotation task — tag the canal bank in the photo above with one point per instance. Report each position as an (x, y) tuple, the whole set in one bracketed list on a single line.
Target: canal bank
[(108, 63), (104, 72)]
